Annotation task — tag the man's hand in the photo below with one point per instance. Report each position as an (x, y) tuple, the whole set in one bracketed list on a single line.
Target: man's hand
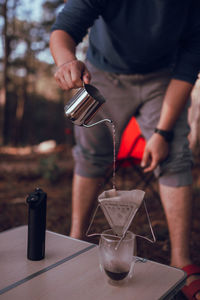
[(156, 150), (72, 75)]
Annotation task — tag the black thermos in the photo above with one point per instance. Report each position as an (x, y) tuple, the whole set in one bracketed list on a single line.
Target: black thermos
[(36, 224)]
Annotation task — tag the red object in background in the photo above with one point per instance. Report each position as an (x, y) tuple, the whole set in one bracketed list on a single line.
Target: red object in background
[(68, 131), (132, 144)]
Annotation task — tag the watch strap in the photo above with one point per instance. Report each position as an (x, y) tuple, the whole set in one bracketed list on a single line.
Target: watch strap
[(168, 135)]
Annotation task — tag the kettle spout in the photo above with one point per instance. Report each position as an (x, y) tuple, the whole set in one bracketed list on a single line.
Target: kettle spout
[(101, 121)]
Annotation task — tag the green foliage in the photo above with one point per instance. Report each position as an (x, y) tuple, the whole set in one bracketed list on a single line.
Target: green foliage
[(49, 169)]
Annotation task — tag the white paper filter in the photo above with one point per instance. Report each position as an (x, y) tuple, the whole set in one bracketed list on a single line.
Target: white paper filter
[(120, 207)]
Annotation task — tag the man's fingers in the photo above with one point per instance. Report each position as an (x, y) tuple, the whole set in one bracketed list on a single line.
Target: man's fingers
[(149, 162), (72, 74), (145, 159), (86, 76), (76, 75), (151, 167), (61, 82), (152, 163), (63, 78)]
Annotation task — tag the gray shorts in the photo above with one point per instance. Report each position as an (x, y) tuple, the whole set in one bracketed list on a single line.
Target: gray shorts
[(126, 96)]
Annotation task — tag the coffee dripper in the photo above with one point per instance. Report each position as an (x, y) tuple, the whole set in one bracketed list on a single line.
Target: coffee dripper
[(82, 107), (119, 208)]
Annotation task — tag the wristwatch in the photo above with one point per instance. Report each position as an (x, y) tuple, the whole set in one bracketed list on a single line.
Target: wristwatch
[(168, 135)]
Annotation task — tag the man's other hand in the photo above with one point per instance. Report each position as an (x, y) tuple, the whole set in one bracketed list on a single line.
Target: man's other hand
[(156, 150)]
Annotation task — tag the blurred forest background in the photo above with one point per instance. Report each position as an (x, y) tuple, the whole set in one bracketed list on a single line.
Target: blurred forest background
[(35, 137), (31, 105)]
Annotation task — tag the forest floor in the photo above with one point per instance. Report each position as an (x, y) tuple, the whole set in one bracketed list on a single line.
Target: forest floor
[(23, 171)]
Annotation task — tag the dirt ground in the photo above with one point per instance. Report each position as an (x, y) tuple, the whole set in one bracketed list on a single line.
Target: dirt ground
[(21, 173)]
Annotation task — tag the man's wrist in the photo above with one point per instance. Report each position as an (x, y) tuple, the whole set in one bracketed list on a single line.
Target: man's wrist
[(166, 134), (65, 63)]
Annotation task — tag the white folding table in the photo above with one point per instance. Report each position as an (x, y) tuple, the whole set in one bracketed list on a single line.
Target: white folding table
[(70, 270)]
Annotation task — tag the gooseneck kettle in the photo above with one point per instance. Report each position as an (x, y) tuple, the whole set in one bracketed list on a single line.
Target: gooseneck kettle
[(82, 107)]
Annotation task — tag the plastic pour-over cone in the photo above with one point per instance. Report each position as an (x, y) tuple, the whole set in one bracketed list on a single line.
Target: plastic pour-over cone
[(120, 207)]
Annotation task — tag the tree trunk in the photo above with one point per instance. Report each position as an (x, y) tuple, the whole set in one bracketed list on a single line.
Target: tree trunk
[(5, 111)]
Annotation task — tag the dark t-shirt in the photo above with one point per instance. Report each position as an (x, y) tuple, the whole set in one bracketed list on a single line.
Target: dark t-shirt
[(137, 36)]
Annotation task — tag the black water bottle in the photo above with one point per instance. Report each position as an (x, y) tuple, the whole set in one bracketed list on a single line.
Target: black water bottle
[(36, 224)]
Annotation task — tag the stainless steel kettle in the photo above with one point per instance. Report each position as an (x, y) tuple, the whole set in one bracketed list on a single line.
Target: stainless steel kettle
[(83, 105)]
